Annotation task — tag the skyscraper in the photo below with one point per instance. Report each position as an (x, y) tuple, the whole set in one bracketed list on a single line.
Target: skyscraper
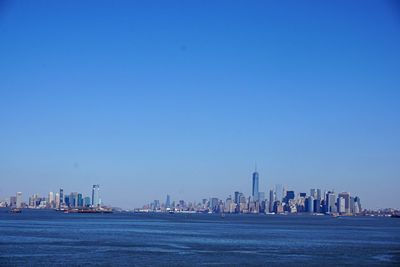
[(254, 191), (13, 201), (66, 198), (61, 197), (51, 199), (73, 199), (309, 204), (19, 200), (317, 205), (95, 195), (80, 200), (351, 204), (237, 197), (214, 204), (346, 197), (242, 203), (341, 205), (168, 202), (156, 204), (86, 202), (330, 202), (313, 193), (271, 200), (284, 191), (289, 195), (57, 200), (357, 205)]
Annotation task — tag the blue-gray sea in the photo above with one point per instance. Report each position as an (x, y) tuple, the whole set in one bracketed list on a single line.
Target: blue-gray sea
[(51, 238)]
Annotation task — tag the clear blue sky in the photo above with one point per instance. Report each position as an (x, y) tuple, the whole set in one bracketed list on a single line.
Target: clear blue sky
[(182, 97)]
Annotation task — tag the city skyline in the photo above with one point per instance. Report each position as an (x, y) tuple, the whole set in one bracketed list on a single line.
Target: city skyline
[(254, 192), (278, 201), (267, 198), (183, 98)]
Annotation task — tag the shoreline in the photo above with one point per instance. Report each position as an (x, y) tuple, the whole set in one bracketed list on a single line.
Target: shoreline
[(190, 213)]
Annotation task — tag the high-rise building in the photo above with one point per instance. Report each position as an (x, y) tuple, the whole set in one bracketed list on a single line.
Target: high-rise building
[(271, 200), (57, 200), (357, 205), (156, 204), (229, 208), (313, 193), (18, 203), (284, 191), (242, 203), (73, 199), (255, 191), (309, 204), (168, 202), (35, 201), (214, 204), (317, 205), (352, 205), (204, 203), (289, 195), (330, 202), (13, 201), (278, 208), (61, 196), (86, 202), (95, 195), (66, 201), (341, 205), (51, 199), (236, 200), (346, 197), (80, 200), (237, 197)]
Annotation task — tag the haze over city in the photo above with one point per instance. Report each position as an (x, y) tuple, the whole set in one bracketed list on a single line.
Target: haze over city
[(167, 102)]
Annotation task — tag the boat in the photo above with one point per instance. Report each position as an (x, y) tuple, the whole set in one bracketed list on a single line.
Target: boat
[(395, 216), (15, 210), (88, 211)]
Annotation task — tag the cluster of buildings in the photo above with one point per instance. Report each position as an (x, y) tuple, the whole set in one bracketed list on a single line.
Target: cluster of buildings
[(277, 201), (59, 200)]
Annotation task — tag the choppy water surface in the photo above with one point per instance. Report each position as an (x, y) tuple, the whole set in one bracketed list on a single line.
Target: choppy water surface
[(53, 238)]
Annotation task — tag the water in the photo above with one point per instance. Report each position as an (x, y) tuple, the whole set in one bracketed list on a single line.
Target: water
[(51, 238)]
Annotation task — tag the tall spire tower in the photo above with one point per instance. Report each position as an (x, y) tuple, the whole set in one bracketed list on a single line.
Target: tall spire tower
[(255, 190)]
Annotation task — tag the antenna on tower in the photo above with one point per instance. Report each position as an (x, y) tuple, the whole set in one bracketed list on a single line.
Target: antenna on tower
[(255, 166)]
